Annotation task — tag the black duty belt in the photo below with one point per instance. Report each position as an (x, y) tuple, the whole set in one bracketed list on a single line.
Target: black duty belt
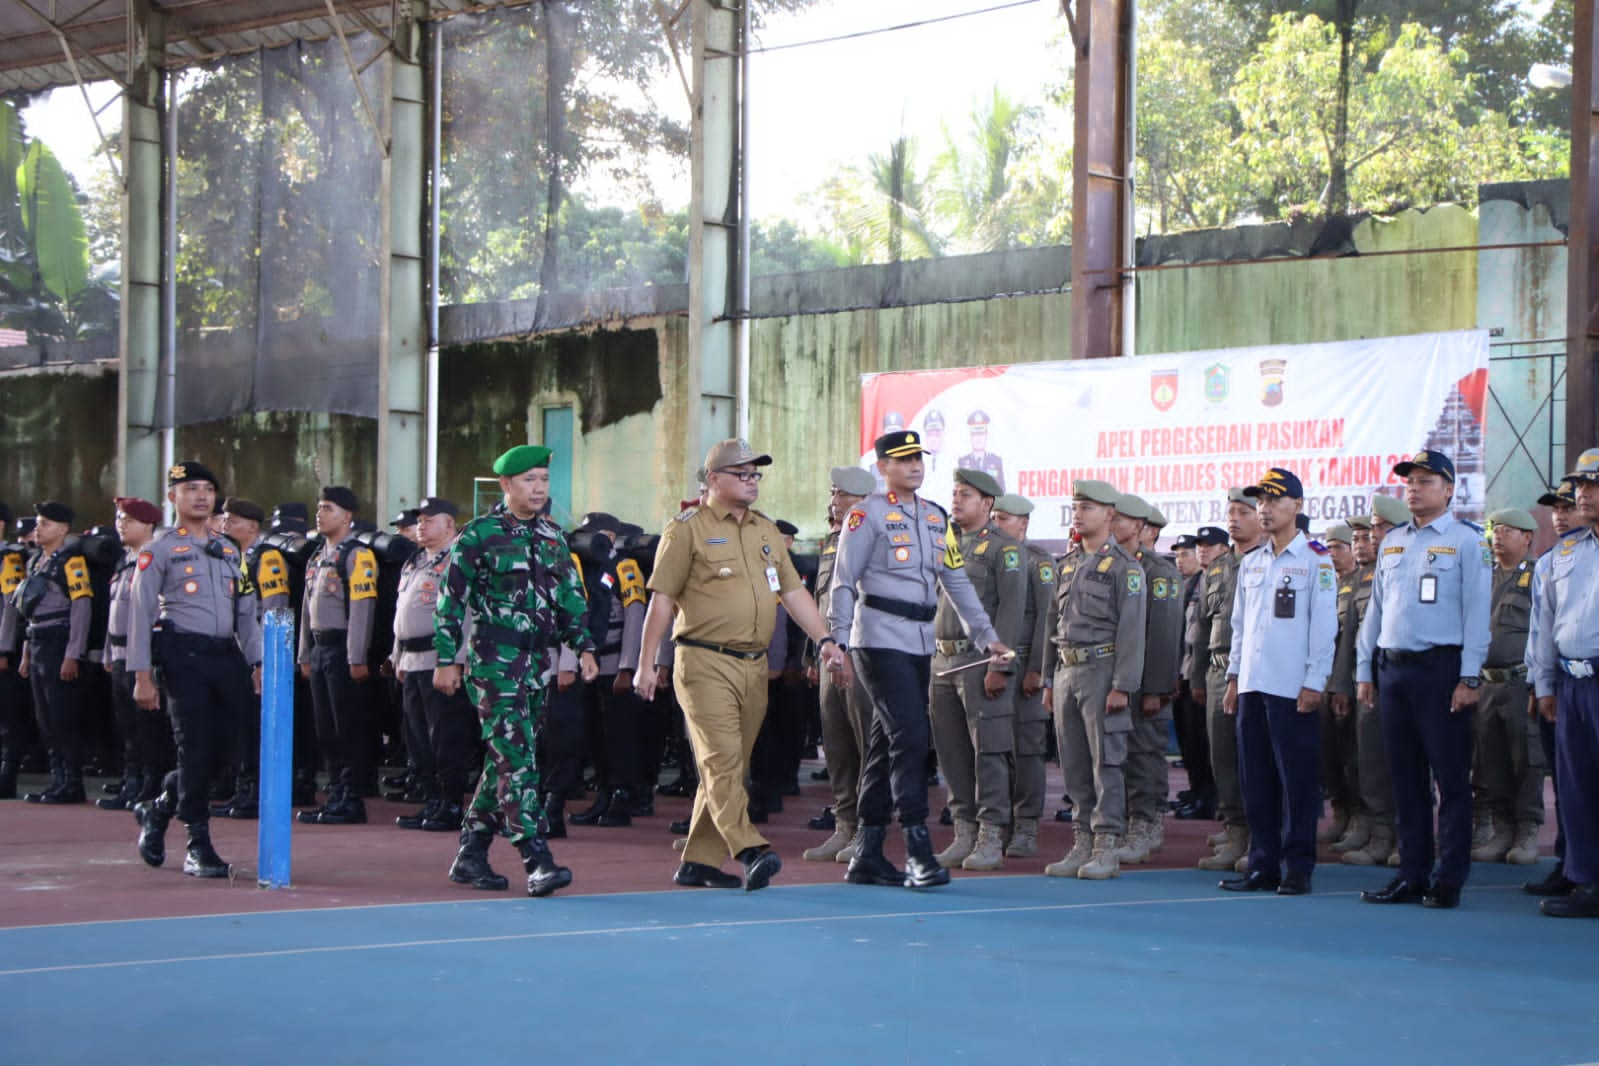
[(916, 612), (737, 653), (328, 638), (48, 634), (194, 643), (1499, 675), (1399, 657), (116, 641), (416, 643)]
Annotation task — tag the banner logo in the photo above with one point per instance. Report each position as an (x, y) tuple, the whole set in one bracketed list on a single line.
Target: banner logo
[(1163, 389), (1272, 372), (1216, 382)]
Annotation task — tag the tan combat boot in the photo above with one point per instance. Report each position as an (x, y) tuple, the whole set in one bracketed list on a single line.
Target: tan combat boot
[(1335, 828), (827, 850), (1376, 849), (989, 854), (1102, 864), (1524, 849), (1501, 836), (1023, 839), (1082, 850), (1355, 836), (1135, 845), (847, 852), (1217, 839), (1234, 846), (965, 840), (1155, 835)]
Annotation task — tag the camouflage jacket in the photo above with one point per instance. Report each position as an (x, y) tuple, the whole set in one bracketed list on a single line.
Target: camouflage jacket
[(526, 598)]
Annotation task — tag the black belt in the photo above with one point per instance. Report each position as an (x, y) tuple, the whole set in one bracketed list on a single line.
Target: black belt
[(48, 634), (328, 638), (194, 643), (1399, 657), (416, 643), (916, 612), (747, 656), (116, 641)]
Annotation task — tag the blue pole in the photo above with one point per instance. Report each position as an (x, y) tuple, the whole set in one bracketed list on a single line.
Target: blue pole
[(273, 847)]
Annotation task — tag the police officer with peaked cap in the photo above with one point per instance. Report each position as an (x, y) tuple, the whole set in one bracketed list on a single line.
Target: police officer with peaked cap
[(980, 458), (1423, 641), (896, 552), (206, 656)]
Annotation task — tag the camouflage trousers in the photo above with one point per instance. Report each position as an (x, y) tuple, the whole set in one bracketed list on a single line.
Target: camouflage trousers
[(508, 799)]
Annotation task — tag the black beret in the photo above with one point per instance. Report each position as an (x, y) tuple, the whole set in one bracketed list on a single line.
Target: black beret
[(340, 496), (26, 525), (55, 511), (787, 528), (405, 518), (191, 470), (601, 522), (437, 505), (239, 507)]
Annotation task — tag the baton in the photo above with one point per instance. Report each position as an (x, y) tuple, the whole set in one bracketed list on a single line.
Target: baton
[(1007, 657)]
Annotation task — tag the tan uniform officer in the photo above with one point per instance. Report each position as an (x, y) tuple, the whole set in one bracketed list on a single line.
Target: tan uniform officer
[(1011, 513), (721, 569), (1097, 628), (973, 712)]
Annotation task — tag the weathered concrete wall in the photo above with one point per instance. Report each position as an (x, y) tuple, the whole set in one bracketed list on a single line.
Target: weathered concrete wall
[(276, 456), (58, 439)]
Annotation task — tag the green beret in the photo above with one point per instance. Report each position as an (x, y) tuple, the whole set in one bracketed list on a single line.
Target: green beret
[(1155, 518), (853, 480), (1390, 510), (1340, 533), (1096, 491), (983, 483), (521, 459), (1515, 518), (1133, 507), (1359, 521), (1010, 503), (1236, 495)]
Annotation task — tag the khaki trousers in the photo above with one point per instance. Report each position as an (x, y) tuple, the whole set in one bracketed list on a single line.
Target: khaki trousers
[(724, 703)]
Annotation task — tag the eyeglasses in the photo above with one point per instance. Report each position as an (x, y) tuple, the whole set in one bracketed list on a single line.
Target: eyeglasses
[(746, 476)]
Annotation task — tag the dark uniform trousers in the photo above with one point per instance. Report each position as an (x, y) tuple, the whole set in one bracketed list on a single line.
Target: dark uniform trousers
[(1279, 755), (845, 717), (14, 701), (1577, 757), (207, 685), (445, 751), (341, 714), (1546, 734), (1340, 756), (149, 733), (57, 704), (1193, 742), (559, 741), (621, 722), (1426, 743), (894, 772)]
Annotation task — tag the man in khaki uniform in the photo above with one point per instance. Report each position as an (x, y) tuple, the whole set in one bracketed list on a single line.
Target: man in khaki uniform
[(1097, 628), (973, 712), (1012, 513), (1340, 756), (721, 569)]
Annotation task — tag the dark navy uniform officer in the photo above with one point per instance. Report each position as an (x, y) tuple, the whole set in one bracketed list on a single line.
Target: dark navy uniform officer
[(1423, 640)]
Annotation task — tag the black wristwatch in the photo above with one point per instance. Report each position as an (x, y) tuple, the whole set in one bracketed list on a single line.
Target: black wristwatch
[(1471, 682), (825, 641)]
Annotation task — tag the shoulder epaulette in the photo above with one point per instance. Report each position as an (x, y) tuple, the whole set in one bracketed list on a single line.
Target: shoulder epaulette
[(688, 514), (1474, 527), (1317, 546)]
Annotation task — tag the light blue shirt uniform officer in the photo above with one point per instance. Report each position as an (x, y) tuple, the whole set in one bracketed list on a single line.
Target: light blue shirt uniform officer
[(1285, 629), (1424, 639), (1563, 654)]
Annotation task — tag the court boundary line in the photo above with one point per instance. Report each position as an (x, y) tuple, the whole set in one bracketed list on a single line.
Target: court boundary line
[(565, 934)]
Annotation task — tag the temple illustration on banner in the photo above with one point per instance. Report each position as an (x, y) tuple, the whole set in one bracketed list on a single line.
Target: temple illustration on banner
[(1458, 435)]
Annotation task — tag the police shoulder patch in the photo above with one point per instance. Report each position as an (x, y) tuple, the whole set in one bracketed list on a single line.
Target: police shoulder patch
[(363, 575), (145, 558), (1012, 558), (632, 579), (77, 573), (856, 517)]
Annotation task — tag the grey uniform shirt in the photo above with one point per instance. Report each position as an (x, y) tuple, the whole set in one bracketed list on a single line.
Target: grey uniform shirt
[(995, 567), (333, 602), (190, 589), (1035, 649), (1565, 621), (71, 606), (1285, 620), (897, 549), (413, 610), (1163, 643), (120, 599), (624, 631)]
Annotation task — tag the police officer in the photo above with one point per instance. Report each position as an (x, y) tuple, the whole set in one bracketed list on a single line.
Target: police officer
[(973, 715), (336, 619), (53, 608), (1146, 772), (980, 458), (1340, 757), (1285, 629), (1562, 503), (933, 436), (512, 570), (897, 551), (13, 695), (438, 727), (142, 769), (1097, 628), (1193, 554), (1424, 639), (845, 709), (1012, 514), (1507, 764), (1213, 639), (1369, 841), (207, 659), (721, 569), (1563, 653)]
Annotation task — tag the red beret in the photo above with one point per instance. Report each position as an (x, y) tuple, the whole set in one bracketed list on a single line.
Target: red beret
[(139, 510)]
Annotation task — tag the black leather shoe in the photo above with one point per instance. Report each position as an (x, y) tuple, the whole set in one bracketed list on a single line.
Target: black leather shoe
[(152, 816), (819, 775), (1063, 815), (446, 819), (397, 780), (1197, 810), (700, 875), (1556, 884), (1397, 891), (679, 827), (759, 868), (945, 818), (680, 787), (823, 822), (641, 808), (70, 793), (1441, 898), (1253, 881), (616, 815), (471, 866), (758, 812), (351, 812), (415, 820), (1581, 902), (201, 859), (594, 813), (1294, 885)]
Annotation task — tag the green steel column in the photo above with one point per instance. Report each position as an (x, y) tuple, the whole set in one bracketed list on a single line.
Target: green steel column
[(139, 409), (713, 229), (402, 387)]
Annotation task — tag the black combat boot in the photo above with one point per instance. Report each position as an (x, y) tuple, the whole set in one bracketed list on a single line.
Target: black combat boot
[(57, 780), (870, 866), (71, 791), (471, 866), (414, 821), (543, 875), (201, 859), (596, 811), (8, 780), (125, 797), (921, 868), (153, 816), (616, 814), (448, 818), (303, 792), (351, 810), (314, 816), (554, 816), (245, 804)]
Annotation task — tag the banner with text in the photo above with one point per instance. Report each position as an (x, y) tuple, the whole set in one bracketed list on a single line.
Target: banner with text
[(1179, 430)]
